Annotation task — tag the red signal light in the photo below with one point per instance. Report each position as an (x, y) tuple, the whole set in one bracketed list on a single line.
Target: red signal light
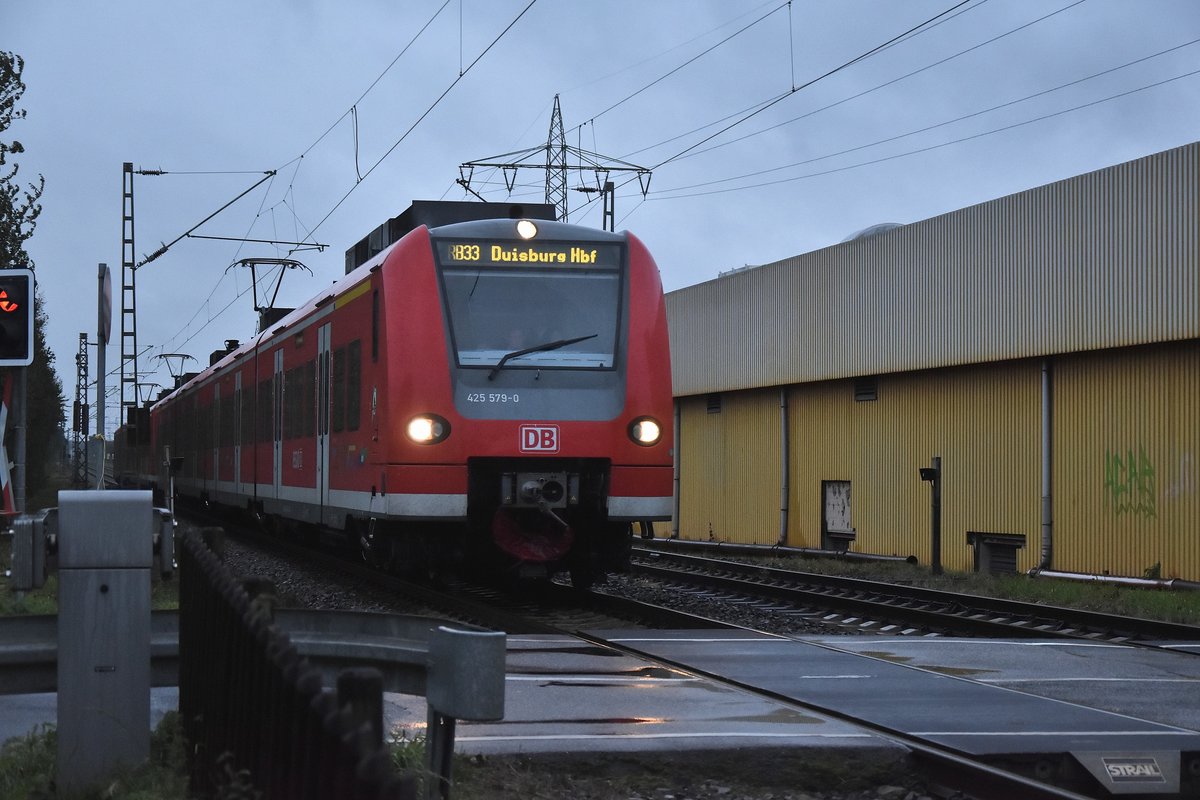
[(16, 317)]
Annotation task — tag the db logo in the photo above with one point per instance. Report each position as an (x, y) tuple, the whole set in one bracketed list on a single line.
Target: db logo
[(539, 438)]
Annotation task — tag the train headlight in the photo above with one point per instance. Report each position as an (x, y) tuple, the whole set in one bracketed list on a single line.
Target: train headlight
[(645, 431), (427, 429), (526, 229)]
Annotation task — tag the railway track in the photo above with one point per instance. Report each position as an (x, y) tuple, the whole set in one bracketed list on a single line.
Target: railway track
[(551, 608), (868, 606)]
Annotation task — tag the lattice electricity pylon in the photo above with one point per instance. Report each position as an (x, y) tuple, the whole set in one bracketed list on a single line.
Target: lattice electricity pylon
[(558, 155), (129, 348), (556, 164)]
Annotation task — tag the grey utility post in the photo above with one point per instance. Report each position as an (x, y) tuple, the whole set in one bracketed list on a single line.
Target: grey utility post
[(933, 474), (105, 552)]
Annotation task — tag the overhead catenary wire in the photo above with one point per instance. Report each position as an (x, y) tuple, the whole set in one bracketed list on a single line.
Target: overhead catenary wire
[(665, 194), (690, 61), (808, 83), (637, 64), (352, 110), (938, 146), (771, 100), (421, 119), (374, 83), (885, 84)]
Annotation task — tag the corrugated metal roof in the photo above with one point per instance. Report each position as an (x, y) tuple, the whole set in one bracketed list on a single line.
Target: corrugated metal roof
[(1106, 259)]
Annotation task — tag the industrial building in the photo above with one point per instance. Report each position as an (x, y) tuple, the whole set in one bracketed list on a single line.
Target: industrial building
[(1045, 346)]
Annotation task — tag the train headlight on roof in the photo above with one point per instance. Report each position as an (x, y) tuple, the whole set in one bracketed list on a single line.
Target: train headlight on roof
[(526, 229), (645, 431), (427, 429)]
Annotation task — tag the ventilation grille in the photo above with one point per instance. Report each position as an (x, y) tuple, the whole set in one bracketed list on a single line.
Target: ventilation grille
[(866, 390)]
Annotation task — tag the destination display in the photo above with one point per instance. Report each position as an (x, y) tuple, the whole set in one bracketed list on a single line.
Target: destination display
[(478, 253)]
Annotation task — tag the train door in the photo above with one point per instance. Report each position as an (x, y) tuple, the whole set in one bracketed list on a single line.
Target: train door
[(277, 423), (324, 334)]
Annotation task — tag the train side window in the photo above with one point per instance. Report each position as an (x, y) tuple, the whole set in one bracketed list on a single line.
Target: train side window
[(297, 401), (192, 436), (286, 422), (290, 404), (353, 384), (228, 415), (337, 414), (264, 411), (310, 408), (204, 432), (247, 413), (277, 407), (374, 326)]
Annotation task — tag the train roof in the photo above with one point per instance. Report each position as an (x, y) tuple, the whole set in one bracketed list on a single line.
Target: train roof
[(452, 224), (435, 214)]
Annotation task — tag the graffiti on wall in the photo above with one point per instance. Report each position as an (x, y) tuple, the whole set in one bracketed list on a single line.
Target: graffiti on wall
[(1130, 484)]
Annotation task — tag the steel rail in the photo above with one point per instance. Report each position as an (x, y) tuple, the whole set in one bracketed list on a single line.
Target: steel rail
[(936, 609)]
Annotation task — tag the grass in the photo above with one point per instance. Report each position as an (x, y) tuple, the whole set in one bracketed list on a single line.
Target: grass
[(164, 595), (27, 768), (600, 776)]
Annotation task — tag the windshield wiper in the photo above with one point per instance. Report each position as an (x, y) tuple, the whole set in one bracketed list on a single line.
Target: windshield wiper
[(537, 348)]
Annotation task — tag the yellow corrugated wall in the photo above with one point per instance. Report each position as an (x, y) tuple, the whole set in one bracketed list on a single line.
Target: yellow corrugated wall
[(1127, 461), (1126, 450), (984, 422), (701, 471), (729, 476)]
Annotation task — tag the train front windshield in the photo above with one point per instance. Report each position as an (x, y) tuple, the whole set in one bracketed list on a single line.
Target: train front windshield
[(533, 307)]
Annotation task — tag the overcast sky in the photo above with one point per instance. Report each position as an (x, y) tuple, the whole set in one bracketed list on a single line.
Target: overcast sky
[(990, 98)]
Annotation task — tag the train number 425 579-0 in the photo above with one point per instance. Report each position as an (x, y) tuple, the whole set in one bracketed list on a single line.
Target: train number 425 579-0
[(492, 397)]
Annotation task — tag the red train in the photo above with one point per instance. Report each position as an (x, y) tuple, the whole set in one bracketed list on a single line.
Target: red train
[(493, 392)]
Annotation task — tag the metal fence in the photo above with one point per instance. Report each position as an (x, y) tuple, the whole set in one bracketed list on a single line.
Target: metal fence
[(254, 710)]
